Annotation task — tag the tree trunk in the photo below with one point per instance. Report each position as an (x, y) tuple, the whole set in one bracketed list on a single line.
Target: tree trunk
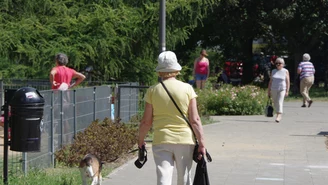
[(248, 64), (294, 78)]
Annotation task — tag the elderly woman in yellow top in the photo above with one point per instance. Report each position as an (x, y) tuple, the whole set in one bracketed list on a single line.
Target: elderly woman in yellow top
[(173, 140)]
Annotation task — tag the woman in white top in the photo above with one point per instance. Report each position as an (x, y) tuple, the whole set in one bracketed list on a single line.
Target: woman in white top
[(279, 86)]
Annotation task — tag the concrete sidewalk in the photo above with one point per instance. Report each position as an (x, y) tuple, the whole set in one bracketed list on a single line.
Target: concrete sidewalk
[(255, 150)]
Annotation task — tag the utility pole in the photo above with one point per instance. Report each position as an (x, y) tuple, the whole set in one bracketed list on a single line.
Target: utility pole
[(162, 25)]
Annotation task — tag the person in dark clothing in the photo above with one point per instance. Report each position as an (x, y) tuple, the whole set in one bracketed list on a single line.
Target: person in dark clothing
[(222, 77)]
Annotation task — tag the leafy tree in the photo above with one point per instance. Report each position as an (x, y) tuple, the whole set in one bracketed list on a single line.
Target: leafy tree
[(303, 25), (118, 38), (289, 27)]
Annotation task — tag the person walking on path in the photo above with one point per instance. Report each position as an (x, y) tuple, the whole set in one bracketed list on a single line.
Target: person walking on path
[(306, 71), (201, 70), (61, 76), (173, 140), (279, 85)]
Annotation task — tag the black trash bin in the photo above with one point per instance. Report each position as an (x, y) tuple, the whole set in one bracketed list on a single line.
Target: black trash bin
[(26, 108)]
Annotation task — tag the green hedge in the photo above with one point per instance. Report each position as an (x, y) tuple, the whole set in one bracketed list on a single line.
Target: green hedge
[(232, 100)]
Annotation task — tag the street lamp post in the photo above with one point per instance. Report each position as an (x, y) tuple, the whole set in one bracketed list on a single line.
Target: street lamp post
[(162, 24)]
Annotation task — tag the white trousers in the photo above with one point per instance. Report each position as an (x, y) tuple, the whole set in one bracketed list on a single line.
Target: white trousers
[(165, 155), (278, 97)]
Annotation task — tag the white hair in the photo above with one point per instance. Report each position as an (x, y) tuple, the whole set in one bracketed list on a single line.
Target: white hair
[(281, 60), (306, 57)]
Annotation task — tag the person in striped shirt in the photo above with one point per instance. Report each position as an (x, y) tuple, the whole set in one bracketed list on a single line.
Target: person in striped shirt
[(306, 71)]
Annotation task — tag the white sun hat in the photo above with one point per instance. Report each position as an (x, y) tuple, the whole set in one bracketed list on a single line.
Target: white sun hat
[(168, 62)]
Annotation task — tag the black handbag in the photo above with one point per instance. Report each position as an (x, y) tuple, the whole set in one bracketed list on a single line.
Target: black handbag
[(201, 175), (195, 153), (269, 109)]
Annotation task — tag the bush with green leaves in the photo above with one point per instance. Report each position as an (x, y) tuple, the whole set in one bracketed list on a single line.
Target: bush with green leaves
[(117, 38), (232, 100), (106, 139)]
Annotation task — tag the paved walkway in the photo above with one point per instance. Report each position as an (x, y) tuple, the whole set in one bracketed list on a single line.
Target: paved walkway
[(254, 150)]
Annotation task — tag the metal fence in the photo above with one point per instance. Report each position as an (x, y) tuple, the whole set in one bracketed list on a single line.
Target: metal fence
[(129, 104), (69, 112)]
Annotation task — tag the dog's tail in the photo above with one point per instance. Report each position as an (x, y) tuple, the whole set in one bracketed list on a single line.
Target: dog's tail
[(100, 164)]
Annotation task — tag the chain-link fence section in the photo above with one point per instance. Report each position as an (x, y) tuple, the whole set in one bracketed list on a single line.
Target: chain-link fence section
[(129, 102)]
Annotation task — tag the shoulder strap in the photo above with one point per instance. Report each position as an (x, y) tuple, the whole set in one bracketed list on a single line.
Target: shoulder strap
[(176, 105)]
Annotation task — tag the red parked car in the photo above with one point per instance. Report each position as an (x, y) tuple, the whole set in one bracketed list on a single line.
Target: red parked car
[(234, 71)]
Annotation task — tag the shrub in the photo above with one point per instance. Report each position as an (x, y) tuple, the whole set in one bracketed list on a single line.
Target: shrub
[(105, 139), (232, 100)]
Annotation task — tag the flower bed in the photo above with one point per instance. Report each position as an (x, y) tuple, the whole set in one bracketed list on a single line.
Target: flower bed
[(232, 100)]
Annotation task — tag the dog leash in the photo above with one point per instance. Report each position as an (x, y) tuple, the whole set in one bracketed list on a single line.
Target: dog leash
[(142, 157)]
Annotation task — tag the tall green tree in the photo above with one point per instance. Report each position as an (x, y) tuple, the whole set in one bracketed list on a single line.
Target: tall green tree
[(293, 27), (303, 24), (118, 38)]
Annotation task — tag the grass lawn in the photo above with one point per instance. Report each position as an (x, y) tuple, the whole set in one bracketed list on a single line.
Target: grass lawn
[(63, 175)]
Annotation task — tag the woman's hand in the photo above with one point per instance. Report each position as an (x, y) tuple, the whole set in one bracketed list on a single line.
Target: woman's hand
[(54, 83), (286, 93), (141, 143), (201, 152)]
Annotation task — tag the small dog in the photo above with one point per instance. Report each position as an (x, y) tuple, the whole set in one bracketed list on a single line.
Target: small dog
[(90, 167)]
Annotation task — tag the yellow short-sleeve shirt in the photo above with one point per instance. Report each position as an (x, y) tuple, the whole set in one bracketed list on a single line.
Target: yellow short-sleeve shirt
[(168, 124)]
